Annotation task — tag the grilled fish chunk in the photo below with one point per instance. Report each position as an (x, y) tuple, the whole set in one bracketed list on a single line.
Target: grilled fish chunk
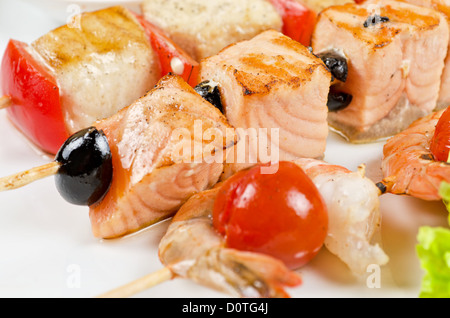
[(395, 54), (275, 87), (193, 249), (162, 154), (444, 7), (203, 28), (103, 61)]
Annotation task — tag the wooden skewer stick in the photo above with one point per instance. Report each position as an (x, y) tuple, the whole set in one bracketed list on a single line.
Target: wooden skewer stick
[(23, 178), (140, 284), (5, 101)]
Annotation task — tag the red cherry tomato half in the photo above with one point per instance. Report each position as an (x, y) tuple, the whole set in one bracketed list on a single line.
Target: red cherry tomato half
[(298, 20), (35, 105), (440, 143), (280, 214), (172, 58)]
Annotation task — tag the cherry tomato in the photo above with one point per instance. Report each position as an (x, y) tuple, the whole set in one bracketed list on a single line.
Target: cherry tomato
[(298, 20), (280, 214), (440, 143), (172, 58), (35, 105)]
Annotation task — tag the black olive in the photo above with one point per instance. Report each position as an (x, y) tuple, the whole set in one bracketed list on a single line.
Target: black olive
[(338, 100), (336, 63), (85, 174), (210, 93)]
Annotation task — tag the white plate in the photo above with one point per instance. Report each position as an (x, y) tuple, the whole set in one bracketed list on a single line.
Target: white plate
[(61, 10), (47, 249)]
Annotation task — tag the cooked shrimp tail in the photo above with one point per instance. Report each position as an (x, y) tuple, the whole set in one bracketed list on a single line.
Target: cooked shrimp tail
[(193, 249), (409, 167)]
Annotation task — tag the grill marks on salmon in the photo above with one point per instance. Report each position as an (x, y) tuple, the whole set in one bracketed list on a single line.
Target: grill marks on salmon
[(102, 61), (161, 156), (394, 69), (274, 83), (203, 28)]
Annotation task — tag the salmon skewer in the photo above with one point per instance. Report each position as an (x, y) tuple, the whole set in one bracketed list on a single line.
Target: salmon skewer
[(274, 91), (204, 258), (395, 53), (163, 148), (409, 166)]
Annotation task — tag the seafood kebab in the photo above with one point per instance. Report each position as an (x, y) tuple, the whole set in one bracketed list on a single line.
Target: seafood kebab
[(52, 90), (131, 159), (137, 131)]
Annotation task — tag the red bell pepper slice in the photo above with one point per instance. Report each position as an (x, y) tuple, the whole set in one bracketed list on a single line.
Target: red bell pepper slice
[(298, 20), (172, 58), (35, 107)]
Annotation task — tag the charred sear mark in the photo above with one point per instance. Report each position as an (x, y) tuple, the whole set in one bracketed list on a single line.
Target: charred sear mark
[(426, 156), (336, 64), (338, 100), (374, 20), (210, 93)]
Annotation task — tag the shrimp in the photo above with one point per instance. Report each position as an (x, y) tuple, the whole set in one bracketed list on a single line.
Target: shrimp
[(353, 213), (408, 165), (191, 248)]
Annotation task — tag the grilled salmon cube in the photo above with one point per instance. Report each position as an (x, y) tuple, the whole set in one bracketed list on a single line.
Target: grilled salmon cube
[(275, 87), (203, 28), (395, 53), (162, 153)]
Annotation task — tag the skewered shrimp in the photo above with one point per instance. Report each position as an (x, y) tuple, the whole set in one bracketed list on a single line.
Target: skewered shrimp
[(192, 248), (408, 164), (353, 213), (352, 203)]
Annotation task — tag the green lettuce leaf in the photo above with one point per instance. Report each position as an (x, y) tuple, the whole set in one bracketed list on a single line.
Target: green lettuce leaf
[(434, 254), (444, 192)]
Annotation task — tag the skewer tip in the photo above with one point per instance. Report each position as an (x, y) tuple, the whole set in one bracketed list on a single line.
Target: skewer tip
[(140, 284), (26, 177), (5, 101)]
